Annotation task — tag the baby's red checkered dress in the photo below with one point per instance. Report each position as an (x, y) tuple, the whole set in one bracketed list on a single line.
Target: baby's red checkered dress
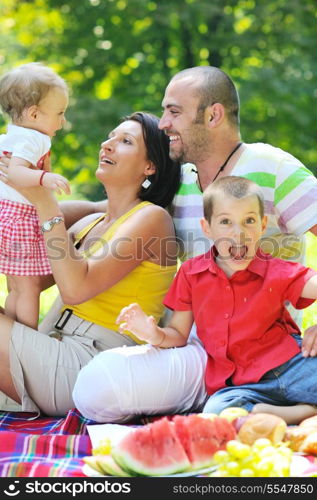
[(22, 247)]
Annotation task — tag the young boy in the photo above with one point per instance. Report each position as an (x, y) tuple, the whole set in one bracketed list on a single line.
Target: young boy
[(235, 294)]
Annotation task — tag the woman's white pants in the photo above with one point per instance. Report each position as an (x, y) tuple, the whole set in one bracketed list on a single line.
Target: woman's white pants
[(121, 383)]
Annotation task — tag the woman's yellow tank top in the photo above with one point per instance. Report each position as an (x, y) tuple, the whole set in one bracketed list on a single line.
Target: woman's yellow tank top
[(147, 284)]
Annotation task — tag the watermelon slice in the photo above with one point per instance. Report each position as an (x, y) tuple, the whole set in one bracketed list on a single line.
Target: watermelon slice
[(92, 461), (201, 437), (166, 447), (152, 450), (107, 464), (225, 431)]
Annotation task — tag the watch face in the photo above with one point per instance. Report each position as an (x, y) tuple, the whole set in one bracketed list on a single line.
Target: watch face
[(49, 224), (46, 226)]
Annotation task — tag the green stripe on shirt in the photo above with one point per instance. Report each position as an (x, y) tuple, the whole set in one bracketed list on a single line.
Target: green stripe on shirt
[(294, 180), (261, 178), (186, 189)]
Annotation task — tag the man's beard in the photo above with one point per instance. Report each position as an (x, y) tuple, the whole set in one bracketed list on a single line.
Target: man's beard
[(197, 148), (177, 156)]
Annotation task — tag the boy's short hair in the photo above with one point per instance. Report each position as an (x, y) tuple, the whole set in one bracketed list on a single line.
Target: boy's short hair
[(26, 86), (234, 186)]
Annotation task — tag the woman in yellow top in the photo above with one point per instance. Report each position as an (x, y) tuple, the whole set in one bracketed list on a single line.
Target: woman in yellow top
[(105, 261)]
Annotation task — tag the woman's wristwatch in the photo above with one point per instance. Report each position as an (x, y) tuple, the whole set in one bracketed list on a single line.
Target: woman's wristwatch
[(49, 224)]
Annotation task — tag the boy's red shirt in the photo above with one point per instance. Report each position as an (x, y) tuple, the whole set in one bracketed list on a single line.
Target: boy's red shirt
[(242, 321)]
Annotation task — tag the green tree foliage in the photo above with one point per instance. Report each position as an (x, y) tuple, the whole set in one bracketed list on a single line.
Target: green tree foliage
[(118, 55)]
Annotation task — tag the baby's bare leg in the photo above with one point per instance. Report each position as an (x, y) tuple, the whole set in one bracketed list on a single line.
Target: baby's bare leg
[(23, 301), (6, 382), (291, 414), (10, 302)]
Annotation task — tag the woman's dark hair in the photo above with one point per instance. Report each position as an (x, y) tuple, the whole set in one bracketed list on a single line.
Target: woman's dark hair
[(166, 179)]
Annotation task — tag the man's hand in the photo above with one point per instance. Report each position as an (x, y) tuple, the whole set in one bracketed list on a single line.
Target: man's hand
[(309, 344)]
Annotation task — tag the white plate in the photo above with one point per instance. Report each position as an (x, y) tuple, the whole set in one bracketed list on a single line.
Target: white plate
[(115, 432), (90, 472), (298, 467)]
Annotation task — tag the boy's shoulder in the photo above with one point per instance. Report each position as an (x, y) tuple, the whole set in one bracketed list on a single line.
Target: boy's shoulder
[(199, 263), (281, 265)]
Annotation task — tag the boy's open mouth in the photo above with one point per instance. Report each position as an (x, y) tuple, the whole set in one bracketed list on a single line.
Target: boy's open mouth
[(238, 252)]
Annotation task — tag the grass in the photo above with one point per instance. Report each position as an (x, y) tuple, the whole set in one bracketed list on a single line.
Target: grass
[(309, 314)]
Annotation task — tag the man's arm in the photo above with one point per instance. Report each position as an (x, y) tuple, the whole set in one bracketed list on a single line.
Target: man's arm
[(73, 210)]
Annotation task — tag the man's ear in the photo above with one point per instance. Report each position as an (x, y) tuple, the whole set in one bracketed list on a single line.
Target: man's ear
[(215, 114), (205, 227), (150, 169)]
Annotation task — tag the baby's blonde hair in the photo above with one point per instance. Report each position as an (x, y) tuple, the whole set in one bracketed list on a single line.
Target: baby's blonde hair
[(26, 86)]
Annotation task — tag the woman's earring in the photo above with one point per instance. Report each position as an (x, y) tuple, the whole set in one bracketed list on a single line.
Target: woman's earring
[(146, 183)]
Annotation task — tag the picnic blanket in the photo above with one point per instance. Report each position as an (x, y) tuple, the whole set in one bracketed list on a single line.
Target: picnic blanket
[(43, 446), (46, 446), (51, 446)]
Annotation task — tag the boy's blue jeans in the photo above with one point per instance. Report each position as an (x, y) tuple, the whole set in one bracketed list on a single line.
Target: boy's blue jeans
[(290, 383)]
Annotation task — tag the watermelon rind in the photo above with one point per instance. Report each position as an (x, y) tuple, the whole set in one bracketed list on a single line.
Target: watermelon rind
[(108, 465), (137, 468), (120, 460), (92, 461)]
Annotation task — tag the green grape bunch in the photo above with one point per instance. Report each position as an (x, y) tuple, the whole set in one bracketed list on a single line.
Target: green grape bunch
[(104, 447), (261, 459)]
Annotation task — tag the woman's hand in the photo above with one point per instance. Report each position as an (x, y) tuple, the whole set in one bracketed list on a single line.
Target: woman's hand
[(4, 166)]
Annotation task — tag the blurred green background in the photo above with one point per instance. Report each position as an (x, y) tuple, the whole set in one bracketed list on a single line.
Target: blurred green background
[(118, 55)]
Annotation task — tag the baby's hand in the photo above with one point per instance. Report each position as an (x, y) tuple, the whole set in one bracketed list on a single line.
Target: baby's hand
[(56, 182), (133, 318)]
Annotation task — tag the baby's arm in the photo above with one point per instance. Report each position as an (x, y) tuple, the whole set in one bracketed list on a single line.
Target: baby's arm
[(144, 327), (21, 175)]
